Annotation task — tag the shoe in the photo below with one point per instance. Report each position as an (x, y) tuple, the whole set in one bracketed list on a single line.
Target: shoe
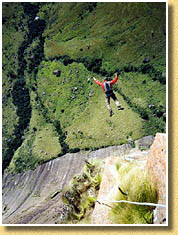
[(120, 108), (111, 113)]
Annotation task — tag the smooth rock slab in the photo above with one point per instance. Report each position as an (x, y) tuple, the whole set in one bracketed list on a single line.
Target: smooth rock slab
[(27, 198), (107, 189)]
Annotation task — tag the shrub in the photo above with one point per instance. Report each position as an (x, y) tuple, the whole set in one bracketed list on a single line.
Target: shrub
[(23, 159), (81, 194), (136, 183)]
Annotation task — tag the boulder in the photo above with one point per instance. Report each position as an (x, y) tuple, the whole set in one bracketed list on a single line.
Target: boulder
[(146, 60), (91, 93), (57, 73), (151, 106), (152, 33), (145, 142), (37, 18), (75, 89), (32, 57)]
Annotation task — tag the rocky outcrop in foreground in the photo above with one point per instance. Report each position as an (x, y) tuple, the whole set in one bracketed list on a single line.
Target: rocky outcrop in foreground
[(152, 160), (34, 197), (156, 166), (110, 183)]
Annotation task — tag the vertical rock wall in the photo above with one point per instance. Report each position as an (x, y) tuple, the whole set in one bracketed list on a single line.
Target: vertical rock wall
[(153, 161), (108, 187), (110, 182), (156, 167)]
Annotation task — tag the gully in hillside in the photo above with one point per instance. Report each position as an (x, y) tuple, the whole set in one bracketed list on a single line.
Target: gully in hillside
[(107, 88)]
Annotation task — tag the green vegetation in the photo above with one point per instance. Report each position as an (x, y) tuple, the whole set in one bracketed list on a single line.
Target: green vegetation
[(81, 194), (147, 98), (62, 112), (23, 158), (119, 33), (11, 39), (67, 98), (136, 183)]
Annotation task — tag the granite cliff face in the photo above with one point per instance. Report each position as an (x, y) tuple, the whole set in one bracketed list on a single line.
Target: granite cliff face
[(35, 197), (156, 166)]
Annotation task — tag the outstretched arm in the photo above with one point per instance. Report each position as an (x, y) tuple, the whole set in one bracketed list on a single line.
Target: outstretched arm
[(115, 79), (97, 82)]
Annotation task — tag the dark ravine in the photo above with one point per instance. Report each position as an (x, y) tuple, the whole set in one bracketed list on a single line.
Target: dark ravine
[(20, 92)]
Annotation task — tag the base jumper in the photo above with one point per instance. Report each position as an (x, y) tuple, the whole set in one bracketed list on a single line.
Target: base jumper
[(107, 88)]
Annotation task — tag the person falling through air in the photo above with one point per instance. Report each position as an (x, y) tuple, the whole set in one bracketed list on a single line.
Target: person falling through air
[(107, 88)]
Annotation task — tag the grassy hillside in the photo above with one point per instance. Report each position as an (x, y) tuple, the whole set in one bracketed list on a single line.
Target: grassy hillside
[(51, 105)]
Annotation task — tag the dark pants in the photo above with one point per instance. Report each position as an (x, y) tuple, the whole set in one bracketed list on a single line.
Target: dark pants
[(107, 100)]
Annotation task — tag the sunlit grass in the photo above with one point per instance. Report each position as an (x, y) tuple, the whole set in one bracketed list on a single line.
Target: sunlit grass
[(136, 183), (99, 129)]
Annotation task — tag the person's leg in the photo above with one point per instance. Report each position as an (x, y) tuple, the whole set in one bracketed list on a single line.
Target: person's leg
[(116, 101), (107, 100)]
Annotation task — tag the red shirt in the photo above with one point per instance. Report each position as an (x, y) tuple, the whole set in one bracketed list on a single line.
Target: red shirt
[(102, 83)]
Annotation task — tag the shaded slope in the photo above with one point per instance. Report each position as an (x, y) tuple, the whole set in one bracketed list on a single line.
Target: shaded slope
[(20, 92), (120, 34)]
